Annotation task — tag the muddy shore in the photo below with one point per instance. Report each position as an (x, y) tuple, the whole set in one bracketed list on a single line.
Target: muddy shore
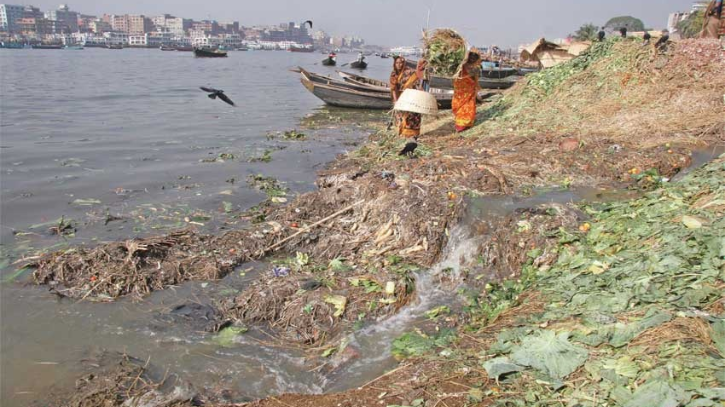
[(349, 252)]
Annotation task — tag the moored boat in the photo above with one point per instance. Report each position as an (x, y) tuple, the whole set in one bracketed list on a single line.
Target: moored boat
[(73, 47), (115, 46), (208, 53), (184, 49), (167, 48), (47, 46), (499, 73), (369, 83), (326, 80), (334, 95), (302, 49)]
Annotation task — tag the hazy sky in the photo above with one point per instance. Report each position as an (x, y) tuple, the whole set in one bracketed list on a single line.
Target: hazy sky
[(398, 22)]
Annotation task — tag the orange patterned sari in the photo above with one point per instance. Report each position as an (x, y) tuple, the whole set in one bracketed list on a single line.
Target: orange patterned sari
[(465, 89)]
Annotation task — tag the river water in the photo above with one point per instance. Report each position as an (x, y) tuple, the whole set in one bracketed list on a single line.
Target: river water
[(126, 133)]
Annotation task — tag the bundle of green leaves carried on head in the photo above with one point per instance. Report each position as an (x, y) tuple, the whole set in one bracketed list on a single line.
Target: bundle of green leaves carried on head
[(444, 50)]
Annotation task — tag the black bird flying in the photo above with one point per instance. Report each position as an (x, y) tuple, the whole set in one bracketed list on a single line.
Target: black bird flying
[(409, 149), (308, 22), (217, 93)]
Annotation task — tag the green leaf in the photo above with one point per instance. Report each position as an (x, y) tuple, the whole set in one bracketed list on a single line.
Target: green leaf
[(226, 337), (656, 393), (500, 366), (339, 302), (624, 333), (550, 353), (718, 335)]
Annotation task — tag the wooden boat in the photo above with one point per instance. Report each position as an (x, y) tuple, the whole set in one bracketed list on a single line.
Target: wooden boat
[(115, 46), (330, 61), (301, 49), (208, 53), (359, 65), (184, 49), (165, 48), (73, 47), (326, 80), (341, 97), (443, 82), (368, 83)]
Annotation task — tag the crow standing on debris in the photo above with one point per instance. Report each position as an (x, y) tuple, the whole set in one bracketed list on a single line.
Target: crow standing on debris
[(409, 149), (217, 93)]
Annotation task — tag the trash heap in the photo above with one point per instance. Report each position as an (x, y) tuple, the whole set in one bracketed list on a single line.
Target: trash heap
[(444, 51), (632, 312), (619, 89)]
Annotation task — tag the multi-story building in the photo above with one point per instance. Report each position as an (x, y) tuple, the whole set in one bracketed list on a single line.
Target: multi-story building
[(138, 40), (230, 28), (99, 26), (66, 21), (208, 26), (9, 14), (158, 38), (32, 12), (37, 27), (84, 22), (176, 25), (116, 38), (138, 24), (119, 23)]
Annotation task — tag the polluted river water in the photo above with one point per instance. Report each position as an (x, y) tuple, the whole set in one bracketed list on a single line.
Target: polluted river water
[(140, 149)]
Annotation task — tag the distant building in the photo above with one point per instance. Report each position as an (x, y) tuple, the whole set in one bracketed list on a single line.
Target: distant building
[(207, 26), (66, 21), (9, 14), (32, 12), (99, 26), (84, 22), (37, 27), (131, 24), (176, 25), (116, 38)]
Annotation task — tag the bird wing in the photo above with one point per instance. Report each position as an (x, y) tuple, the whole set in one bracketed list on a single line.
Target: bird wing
[(210, 90), (308, 22), (226, 99)]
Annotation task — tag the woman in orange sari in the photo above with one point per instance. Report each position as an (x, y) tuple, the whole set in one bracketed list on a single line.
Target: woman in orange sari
[(465, 90), (404, 77)]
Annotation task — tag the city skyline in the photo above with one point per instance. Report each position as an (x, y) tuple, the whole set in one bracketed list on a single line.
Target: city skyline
[(380, 22)]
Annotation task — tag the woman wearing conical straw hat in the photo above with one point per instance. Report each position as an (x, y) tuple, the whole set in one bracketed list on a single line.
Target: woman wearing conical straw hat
[(465, 90), (711, 25), (404, 77)]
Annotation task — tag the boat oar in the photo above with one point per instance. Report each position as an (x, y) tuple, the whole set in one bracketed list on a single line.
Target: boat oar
[(345, 64)]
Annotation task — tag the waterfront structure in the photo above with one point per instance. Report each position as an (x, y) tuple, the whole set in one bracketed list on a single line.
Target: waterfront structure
[(116, 38), (9, 14), (99, 26), (66, 21)]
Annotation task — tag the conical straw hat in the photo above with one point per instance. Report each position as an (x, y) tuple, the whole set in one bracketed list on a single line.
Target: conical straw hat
[(417, 101)]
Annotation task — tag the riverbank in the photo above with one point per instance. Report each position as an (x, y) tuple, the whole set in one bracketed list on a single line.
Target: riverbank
[(349, 249)]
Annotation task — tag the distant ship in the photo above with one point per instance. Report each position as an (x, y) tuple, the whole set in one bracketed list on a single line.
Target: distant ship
[(304, 48)]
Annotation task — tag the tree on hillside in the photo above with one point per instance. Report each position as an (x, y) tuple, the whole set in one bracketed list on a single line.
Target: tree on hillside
[(692, 25), (587, 32), (628, 22)]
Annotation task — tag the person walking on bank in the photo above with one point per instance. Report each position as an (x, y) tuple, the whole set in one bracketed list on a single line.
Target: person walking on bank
[(404, 77), (711, 25), (465, 90)]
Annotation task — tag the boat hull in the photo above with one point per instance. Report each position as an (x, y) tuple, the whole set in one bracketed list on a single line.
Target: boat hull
[(329, 62), (442, 82), (202, 53), (324, 80), (358, 65), (340, 97)]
